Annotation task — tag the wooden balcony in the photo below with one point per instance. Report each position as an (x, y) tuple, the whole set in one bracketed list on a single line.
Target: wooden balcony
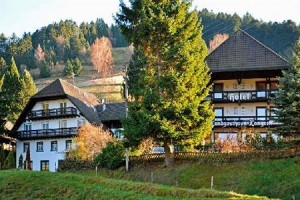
[(242, 96), (52, 113), (46, 133), (248, 121)]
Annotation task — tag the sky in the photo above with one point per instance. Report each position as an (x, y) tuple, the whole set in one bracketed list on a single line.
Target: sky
[(19, 16)]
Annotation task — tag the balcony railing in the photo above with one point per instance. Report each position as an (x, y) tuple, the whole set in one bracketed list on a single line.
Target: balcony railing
[(46, 133), (237, 121), (243, 96), (52, 113)]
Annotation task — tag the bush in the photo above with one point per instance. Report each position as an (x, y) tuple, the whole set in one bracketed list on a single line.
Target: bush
[(112, 156), (75, 165), (45, 71)]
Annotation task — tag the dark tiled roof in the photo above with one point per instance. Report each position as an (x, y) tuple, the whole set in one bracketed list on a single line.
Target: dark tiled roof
[(242, 52), (113, 111), (83, 101)]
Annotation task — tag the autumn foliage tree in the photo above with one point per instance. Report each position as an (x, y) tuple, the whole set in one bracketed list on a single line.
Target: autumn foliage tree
[(39, 55), (90, 141), (217, 41), (101, 56)]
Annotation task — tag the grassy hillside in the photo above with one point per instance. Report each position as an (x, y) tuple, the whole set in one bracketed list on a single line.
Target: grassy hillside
[(44, 185), (271, 178)]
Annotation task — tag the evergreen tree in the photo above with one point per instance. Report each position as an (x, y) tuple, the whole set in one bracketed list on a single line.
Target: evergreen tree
[(28, 87), (287, 100), (2, 157), (3, 67), (20, 162), (11, 104), (45, 71), (172, 107), (68, 71), (10, 162), (77, 67)]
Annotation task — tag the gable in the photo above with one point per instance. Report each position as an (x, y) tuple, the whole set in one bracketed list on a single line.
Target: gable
[(242, 52)]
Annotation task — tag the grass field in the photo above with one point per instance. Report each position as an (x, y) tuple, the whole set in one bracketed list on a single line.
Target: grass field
[(15, 184), (272, 178)]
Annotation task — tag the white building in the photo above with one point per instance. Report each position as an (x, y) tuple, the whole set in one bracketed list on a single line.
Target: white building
[(51, 118)]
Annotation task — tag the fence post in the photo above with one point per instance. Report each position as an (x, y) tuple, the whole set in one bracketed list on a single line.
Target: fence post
[(96, 170), (211, 182), (127, 160), (152, 177)]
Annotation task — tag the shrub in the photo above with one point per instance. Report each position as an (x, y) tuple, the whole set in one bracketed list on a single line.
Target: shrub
[(45, 71), (112, 156)]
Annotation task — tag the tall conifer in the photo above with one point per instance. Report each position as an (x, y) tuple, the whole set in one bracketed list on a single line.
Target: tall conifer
[(171, 107)]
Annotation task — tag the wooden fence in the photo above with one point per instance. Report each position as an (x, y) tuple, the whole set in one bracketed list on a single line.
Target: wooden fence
[(213, 157)]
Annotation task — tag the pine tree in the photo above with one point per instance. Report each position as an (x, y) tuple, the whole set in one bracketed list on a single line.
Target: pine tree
[(10, 162), (28, 160), (176, 80), (45, 71), (11, 104), (3, 66), (20, 161), (77, 67), (287, 100), (69, 69)]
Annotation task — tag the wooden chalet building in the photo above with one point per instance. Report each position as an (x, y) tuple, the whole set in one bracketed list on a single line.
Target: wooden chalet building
[(52, 117), (245, 75)]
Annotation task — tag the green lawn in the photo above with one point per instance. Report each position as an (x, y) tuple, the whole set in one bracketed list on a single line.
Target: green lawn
[(15, 184), (272, 178)]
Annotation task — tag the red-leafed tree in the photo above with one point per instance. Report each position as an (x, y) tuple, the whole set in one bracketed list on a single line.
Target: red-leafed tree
[(39, 55), (217, 41), (101, 56)]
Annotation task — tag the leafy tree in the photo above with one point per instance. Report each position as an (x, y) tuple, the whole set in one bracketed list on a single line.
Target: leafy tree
[(77, 67), (171, 108), (288, 98), (90, 141), (45, 71), (101, 56), (112, 156), (68, 71)]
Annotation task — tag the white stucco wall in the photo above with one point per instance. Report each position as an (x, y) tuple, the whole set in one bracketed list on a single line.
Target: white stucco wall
[(47, 154), (52, 156)]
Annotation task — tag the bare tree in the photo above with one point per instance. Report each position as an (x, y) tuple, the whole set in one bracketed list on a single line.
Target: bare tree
[(101, 56), (39, 55), (217, 41)]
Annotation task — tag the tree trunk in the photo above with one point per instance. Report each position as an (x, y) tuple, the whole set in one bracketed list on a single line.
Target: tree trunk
[(169, 157)]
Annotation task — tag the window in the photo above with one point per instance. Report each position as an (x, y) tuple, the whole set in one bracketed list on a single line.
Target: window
[(261, 88), (63, 106), (235, 111), (261, 113), (218, 89), (218, 114), (53, 146), (26, 145), (44, 165), (225, 136), (68, 144), (45, 106), (27, 127), (63, 124), (39, 147), (80, 122), (45, 125)]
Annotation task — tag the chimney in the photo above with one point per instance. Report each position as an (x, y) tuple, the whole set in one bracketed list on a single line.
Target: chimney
[(103, 104)]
